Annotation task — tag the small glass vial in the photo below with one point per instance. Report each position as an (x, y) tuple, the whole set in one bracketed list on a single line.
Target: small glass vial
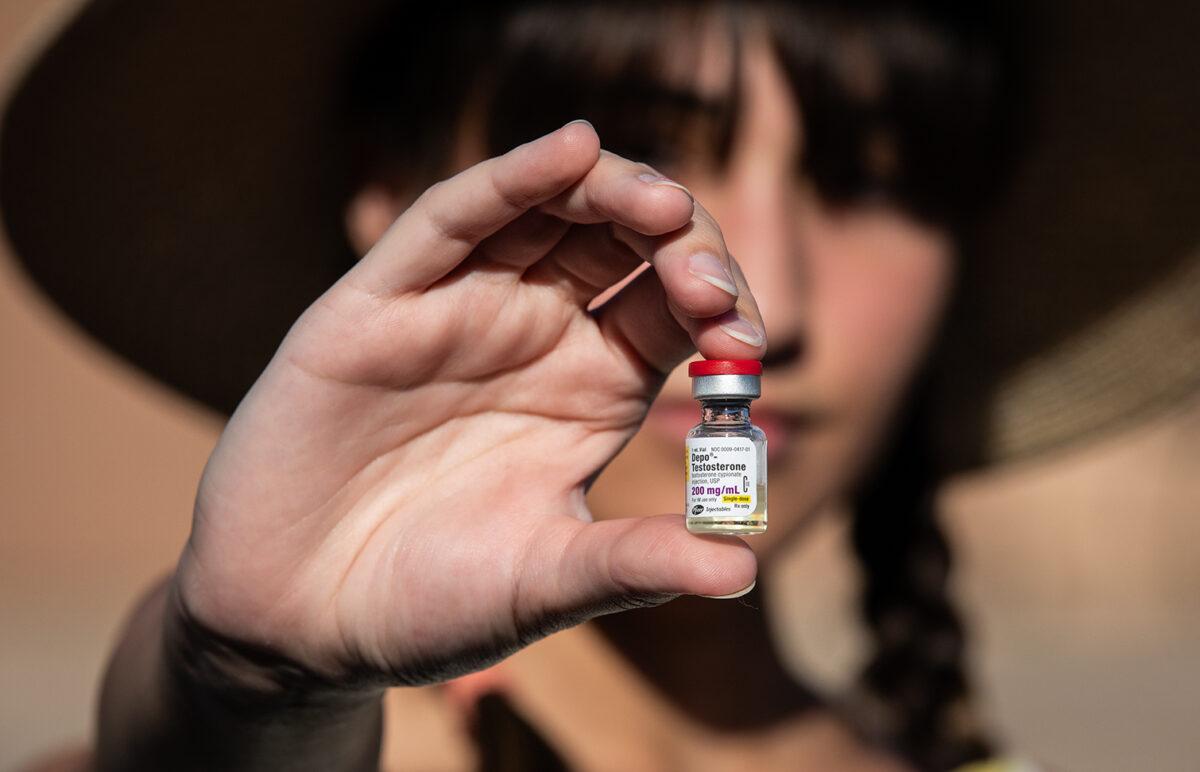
[(725, 454)]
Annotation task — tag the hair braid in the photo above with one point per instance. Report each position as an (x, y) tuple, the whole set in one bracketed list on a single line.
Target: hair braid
[(914, 691)]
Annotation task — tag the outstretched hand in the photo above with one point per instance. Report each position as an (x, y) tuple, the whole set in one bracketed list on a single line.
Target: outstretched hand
[(402, 491)]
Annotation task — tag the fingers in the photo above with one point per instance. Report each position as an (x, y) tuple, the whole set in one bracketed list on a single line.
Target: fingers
[(695, 298), (623, 191), (701, 278), (640, 323), (615, 190), (655, 556), (587, 261), (513, 211), (640, 320), (451, 218), (743, 323), (530, 236), (596, 568)]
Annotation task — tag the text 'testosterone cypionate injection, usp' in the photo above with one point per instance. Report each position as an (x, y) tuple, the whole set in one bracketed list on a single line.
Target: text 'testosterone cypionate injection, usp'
[(726, 455)]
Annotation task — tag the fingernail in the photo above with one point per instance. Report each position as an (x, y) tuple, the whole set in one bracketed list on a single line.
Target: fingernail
[(578, 120), (736, 326), (731, 595), (658, 179), (709, 268)]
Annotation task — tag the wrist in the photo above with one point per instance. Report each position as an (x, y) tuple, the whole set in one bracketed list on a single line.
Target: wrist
[(239, 706), (245, 677)]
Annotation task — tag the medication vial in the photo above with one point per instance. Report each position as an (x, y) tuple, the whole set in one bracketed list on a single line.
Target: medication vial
[(726, 455)]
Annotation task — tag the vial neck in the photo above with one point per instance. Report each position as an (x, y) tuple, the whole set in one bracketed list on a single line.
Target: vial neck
[(725, 411)]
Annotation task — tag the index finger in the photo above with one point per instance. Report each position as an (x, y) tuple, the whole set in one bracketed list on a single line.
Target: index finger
[(627, 193), (449, 219)]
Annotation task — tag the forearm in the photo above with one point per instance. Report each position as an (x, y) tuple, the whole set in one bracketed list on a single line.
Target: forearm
[(176, 698)]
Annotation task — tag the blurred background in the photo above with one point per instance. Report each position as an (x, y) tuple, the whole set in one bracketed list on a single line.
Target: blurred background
[(1078, 573)]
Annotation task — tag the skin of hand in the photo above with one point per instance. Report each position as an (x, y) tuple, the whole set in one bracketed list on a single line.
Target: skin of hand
[(400, 497)]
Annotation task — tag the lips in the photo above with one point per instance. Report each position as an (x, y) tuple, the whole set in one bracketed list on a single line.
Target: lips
[(671, 420)]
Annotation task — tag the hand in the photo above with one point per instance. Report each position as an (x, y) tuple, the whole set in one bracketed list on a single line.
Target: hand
[(401, 493)]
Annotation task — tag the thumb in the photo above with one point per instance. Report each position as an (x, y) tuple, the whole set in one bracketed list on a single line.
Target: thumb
[(616, 565)]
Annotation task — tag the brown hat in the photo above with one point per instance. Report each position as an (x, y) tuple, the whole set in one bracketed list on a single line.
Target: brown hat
[(1079, 310), (173, 176)]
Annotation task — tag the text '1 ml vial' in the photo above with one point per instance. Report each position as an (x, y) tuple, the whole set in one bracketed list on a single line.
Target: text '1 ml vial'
[(726, 482)]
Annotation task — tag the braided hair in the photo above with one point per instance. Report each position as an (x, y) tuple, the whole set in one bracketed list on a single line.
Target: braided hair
[(913, 692)]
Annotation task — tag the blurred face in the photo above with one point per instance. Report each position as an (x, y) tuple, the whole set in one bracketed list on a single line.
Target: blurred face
[(849, 298)]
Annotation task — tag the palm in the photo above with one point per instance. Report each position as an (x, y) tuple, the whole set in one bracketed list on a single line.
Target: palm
[(419, 458)]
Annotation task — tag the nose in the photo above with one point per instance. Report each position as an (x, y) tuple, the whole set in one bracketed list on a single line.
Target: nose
[(760, 224)]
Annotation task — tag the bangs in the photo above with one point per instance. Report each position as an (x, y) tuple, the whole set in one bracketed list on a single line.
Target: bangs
[(909, 104), (622, 65), (901, 102)]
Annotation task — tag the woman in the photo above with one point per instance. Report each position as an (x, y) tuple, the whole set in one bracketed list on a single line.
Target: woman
[(400, 497)]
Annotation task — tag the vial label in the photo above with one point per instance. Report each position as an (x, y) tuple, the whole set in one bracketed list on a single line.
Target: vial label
[(722, 476)]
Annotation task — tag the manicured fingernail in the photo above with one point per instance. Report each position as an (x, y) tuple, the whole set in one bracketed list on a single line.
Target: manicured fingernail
[(658, 179), (709, 268), (738, 327), (731, 595), (578, 120)]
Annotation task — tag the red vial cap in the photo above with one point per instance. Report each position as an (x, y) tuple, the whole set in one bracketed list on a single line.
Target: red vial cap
[(725, 367)]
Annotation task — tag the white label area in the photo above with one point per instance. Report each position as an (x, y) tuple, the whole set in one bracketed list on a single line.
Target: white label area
[(722, 476)]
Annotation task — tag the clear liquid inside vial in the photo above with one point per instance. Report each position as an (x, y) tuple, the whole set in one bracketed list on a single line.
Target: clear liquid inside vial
[(730, 419)]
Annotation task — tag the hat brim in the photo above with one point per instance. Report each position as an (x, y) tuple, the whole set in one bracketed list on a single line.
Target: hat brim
[(1079, 306), (173, 176)]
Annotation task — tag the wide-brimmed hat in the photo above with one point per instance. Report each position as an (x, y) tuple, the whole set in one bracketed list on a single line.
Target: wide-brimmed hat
[(173, 175)]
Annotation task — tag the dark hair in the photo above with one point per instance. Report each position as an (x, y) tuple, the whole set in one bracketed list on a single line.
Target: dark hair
[(902, 102), (906, 102), (914, 691)]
